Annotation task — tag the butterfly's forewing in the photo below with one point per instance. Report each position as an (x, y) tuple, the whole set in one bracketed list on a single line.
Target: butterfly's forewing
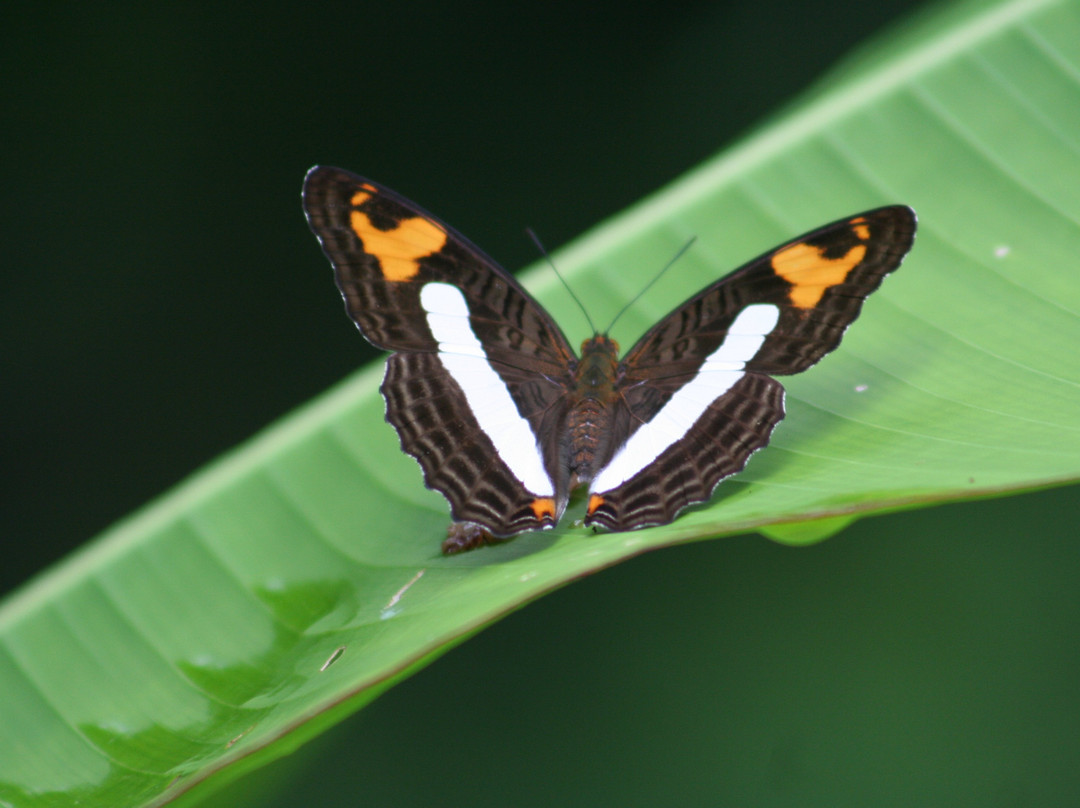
[(697, 383), (479, 367), (817, 281)]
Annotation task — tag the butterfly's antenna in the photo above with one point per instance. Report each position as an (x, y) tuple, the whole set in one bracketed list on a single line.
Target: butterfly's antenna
[(543, 252), (649, 285)]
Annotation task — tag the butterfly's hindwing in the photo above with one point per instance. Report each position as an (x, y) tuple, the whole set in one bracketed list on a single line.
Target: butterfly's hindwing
[(437, 426), (717, 445)]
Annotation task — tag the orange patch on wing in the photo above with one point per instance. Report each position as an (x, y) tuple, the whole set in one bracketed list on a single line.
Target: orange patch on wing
[(861, 228), (810, 273), (595, 501), (399, 250), (543, 506)]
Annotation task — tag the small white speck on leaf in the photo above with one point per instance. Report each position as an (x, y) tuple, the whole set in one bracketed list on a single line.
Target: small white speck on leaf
[(334, 657)]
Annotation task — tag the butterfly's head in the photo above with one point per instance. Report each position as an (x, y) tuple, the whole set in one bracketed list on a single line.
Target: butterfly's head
[(599, 344)]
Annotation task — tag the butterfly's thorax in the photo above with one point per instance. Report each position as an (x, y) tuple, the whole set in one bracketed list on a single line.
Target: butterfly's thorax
[(590, 411)]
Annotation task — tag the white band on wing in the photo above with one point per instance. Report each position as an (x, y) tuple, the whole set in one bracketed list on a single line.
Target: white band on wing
[(718, 374), (462, 354)]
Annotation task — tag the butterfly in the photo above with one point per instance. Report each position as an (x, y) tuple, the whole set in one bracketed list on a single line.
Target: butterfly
[(506, 420)]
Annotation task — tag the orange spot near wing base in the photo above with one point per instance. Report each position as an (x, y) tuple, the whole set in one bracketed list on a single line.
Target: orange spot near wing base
[(595, 501), (810, 273), (543, 506), (399, 250)]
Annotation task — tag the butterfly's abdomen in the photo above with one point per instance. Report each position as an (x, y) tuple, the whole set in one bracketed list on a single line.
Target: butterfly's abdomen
[(592, 399)]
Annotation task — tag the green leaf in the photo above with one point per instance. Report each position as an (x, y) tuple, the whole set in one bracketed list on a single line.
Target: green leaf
[(299, 577)]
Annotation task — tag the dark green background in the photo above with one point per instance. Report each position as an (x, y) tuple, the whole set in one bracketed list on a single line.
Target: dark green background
[(164, 300)]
